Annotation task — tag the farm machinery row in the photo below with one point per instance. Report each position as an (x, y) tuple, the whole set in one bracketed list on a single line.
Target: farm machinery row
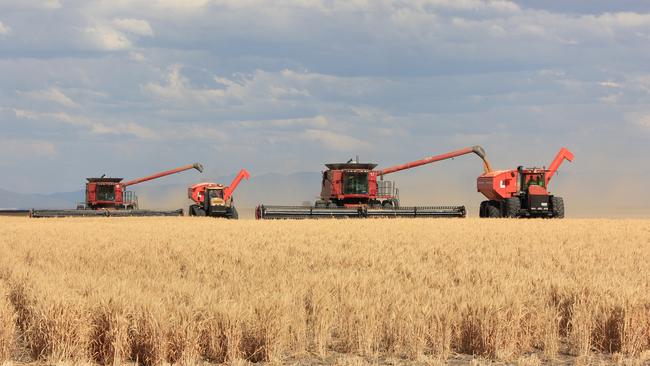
[(110, 197), (348, 190), (354, 189)]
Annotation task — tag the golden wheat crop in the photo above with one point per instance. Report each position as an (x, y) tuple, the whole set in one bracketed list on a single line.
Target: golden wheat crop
[(190, 290)]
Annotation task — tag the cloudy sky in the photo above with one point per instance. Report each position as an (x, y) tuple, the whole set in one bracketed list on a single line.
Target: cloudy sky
[(128, 87)]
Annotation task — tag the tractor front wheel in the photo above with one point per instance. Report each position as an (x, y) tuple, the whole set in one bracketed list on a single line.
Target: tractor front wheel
[(557, 205), (233, 214)]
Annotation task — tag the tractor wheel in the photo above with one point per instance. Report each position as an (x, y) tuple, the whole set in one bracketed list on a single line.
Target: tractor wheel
[(513, 207), (388, 204), (557, 205), (493, 209), (482, 212), (233, 214), (192, 210)]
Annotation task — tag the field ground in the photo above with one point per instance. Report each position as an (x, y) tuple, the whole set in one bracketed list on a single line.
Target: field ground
[(350, 292)]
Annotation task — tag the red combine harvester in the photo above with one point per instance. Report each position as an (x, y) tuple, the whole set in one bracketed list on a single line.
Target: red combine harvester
[(219, 202), (109, 197), (355, 189), (522, 192)]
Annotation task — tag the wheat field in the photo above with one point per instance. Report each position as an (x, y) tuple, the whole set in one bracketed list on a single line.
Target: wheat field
[(199, 290)]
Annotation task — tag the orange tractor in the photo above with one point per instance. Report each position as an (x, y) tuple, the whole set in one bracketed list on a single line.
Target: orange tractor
[(522, 192), (214, 199)]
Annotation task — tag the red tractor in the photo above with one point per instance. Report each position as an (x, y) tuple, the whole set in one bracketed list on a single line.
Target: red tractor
[(522, 192), (213, 199), (355, 189)]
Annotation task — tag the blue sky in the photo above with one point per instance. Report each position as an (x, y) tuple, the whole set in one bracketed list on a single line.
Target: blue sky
[(128, 87)]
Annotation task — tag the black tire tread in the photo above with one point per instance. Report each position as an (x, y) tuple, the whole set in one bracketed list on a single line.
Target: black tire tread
[(493, 209), (558, 207), (512, 207)]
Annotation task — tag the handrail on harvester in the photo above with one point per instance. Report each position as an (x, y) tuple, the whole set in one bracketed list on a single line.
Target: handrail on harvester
[(564, 153), (478, 150), (196, 166)]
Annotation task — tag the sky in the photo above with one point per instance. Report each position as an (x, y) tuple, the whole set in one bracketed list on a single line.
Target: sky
[(130, 87)]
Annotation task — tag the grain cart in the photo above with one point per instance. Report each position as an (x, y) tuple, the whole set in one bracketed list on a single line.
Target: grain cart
[(522, 192), (214, 199)]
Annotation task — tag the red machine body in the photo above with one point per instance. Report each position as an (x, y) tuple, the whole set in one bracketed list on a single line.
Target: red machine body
[(354, 184), (219, 201), (111, 193), (522, 192)]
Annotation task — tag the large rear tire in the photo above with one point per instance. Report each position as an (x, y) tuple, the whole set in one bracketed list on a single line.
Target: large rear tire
[(493, 209), (512, 207), (482, 212), (557, 205), (192, 210)]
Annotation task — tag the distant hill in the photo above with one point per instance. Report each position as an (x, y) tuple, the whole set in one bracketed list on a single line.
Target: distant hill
[(13, 200)]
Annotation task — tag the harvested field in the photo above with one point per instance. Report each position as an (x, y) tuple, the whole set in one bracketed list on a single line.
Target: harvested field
[(191, 290)]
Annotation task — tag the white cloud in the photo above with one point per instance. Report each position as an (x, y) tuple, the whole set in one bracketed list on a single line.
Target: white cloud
[(4, 29), (258, 85), (27, 148), (625, 19), (30, 4), (611, 84), (335, 141), (313, 122), (107, 38), (642, 121), (137, 56), (182, 4), (51, 94), (135, 26), (93, 126)]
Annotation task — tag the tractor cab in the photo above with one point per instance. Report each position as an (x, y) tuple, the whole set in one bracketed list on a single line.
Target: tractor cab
[(108, 193), (531, 177)]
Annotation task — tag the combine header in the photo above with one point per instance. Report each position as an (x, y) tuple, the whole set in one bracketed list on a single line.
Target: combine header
[(109, 197), (355, 189), (522, 192)]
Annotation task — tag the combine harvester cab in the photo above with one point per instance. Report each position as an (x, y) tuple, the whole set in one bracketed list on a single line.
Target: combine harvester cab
[(214, 199), (522, 192), (109, 197), (357, 190)]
